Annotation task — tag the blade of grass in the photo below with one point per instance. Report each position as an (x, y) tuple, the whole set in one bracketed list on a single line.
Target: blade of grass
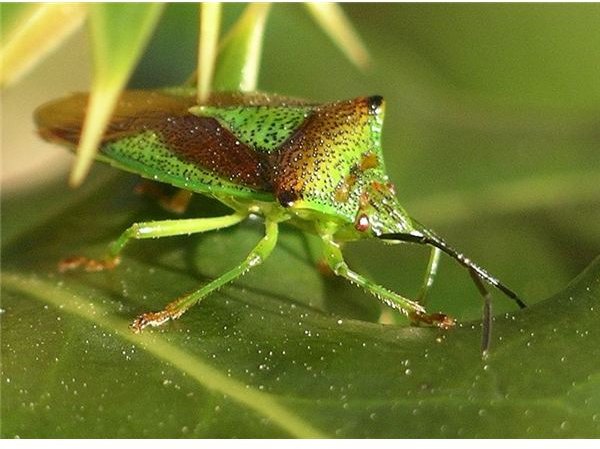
[(119, 32), (210, 24), (239, 57), (333, 20), (32, 32)]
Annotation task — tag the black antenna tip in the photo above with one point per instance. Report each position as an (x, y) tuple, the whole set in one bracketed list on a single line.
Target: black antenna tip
[(426, 237)]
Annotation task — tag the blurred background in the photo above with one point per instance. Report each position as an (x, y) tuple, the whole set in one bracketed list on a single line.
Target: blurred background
[(492, 131)]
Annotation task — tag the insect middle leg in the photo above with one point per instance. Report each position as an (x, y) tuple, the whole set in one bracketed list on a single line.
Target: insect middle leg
[(415, 311), (146, 230), (430, 273), (177, 202), (178, 307)]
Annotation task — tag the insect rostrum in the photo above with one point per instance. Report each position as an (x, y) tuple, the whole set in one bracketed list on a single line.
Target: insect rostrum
[(319, 167)]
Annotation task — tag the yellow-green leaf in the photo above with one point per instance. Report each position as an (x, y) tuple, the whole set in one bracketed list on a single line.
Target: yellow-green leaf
[(30, 32), (119, 33), (239, 57), (210, 24), (335, 23)]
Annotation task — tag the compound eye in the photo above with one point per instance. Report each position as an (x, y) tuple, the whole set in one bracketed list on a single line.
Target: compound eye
[(362, 223), (287, 198), (375, 102)]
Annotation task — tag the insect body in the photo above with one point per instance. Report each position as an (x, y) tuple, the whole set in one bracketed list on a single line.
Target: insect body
[(319, 167)]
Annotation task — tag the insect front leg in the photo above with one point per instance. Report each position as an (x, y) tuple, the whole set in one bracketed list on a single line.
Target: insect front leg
[(146, 230), (486, 334), (178, 307), (416, 312), (430, 273)]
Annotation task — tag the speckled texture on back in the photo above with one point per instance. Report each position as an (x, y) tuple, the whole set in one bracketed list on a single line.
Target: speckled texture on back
[(263, 128), (324, 158), (326, 155), (153, 134)]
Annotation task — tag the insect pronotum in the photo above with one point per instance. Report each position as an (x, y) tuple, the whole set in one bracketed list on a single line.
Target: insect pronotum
[(319, 167)]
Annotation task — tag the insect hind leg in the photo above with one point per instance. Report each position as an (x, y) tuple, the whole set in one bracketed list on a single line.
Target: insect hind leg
[(145, 230)]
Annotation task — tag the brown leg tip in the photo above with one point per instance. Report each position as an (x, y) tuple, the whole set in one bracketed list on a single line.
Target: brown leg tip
[(89, 265), (178, 203), (150, 319), (440, 320), (71, 263), (443, 321), (138, 325)]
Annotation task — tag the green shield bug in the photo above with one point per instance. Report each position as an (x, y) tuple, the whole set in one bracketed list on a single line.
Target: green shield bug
[(319, 167)]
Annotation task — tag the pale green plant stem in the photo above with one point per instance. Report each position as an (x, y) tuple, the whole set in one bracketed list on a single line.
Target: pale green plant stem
[(210, 25)]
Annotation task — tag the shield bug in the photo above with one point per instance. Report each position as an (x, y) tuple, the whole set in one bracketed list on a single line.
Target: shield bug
[(319, 167)]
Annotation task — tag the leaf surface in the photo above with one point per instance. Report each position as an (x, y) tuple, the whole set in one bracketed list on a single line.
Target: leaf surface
[(270, 355)]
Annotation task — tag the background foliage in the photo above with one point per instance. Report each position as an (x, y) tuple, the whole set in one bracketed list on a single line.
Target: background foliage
[(491, 136)]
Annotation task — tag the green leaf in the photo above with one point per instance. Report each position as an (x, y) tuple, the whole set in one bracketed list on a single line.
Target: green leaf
[(333, 20), (238, 62), (274, 354), (118, 33), (208, 45)]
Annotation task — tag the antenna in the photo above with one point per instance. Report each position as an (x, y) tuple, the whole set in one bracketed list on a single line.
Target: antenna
[(427, 237)]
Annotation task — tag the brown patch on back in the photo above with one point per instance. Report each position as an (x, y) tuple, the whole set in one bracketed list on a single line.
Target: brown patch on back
[(303, 159), (199, 140), (204, 142)]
